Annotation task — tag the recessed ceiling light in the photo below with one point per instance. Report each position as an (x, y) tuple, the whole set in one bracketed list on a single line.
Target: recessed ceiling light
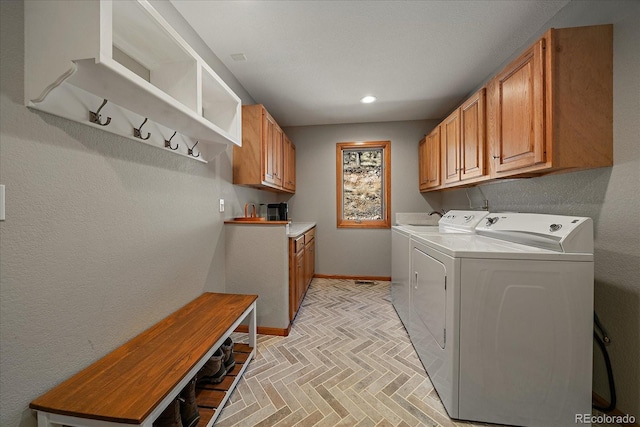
[(368, 99), (238, 57)]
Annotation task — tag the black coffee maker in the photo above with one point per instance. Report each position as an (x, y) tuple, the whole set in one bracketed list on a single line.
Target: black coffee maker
[(278, 212)]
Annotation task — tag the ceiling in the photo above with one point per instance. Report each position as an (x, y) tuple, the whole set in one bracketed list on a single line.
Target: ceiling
[(310, 62)]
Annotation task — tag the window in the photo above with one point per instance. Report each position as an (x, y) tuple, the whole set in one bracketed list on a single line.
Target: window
[(363, 184)]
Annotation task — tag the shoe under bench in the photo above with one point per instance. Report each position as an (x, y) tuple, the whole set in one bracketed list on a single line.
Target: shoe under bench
[(133, 384)]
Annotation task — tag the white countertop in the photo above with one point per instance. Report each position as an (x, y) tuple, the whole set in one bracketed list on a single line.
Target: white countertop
[(298, 228)]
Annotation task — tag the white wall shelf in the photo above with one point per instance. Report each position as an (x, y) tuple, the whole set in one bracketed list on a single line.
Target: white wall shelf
[(78, 54)]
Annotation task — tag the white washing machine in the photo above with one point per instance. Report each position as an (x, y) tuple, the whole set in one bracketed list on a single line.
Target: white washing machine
[(504, 329), (454, 221)]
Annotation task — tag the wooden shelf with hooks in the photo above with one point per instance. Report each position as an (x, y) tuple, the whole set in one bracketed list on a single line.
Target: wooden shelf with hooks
[(79, 54)]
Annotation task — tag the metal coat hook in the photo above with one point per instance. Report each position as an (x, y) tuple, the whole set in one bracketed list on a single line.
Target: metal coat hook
[(190, 150), (167, 143), (137, 132), (95, 117)]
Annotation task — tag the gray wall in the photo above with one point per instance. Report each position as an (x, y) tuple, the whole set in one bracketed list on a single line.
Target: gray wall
[(345, 251), (103, 236)]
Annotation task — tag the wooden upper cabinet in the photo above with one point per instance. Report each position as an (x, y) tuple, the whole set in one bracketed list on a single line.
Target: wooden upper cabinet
[(429, 160), (551, 109), (518, 111), (450, 141), (289, 169), (473, 137), (422, 164), (271, 166), (463, 142), (264, 158)]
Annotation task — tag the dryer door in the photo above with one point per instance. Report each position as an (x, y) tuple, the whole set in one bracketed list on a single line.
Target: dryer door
[(428, 296)]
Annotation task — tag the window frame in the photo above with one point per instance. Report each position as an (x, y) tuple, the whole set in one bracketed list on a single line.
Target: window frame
[(385, 222)]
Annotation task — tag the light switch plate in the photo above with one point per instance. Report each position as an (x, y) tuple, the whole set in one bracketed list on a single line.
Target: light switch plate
[(221, 205)]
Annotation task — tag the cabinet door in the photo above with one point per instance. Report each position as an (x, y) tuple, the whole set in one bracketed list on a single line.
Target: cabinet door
[(272, 151), (293, 289), (289, 170), (519, 112), (300, 277), (278, 143), (450, 140), (310, 262), (472, 137), (430, 160), (422, 164)]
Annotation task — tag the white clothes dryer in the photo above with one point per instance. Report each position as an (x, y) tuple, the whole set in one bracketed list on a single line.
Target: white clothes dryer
[(454, 221), (504, 329)]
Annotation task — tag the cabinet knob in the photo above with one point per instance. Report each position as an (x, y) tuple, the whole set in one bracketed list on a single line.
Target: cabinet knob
[(496, 157)]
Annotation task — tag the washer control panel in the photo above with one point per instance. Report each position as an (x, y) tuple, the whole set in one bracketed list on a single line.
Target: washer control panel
[(491, 220), (555, 232), (462, 220), (554, 227)]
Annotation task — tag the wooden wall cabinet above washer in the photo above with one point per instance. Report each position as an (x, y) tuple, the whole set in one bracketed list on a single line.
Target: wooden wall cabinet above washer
[(454, 153), (266, 159), (429, 161), (463, 142), (551, 109)]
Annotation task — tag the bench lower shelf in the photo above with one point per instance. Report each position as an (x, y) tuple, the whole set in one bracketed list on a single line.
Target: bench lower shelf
[(211, 398)]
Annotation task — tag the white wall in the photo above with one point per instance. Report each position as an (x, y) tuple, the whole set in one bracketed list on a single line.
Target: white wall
[(103, 236), (345, 251), (608, 195)]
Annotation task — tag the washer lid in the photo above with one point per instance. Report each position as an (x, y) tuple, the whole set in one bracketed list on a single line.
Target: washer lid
[(417, 228), (568, 234)]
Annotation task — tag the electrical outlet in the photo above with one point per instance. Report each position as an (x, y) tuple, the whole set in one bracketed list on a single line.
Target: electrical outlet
[(221, 205)]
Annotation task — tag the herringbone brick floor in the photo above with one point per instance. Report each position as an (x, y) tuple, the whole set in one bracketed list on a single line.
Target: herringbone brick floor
[(347, 362)]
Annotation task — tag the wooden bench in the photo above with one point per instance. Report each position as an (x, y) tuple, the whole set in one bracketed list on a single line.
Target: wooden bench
[(133, 384)]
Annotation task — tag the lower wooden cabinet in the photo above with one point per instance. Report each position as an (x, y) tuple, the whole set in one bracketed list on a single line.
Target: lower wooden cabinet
[(309, 262), (301, 268)]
